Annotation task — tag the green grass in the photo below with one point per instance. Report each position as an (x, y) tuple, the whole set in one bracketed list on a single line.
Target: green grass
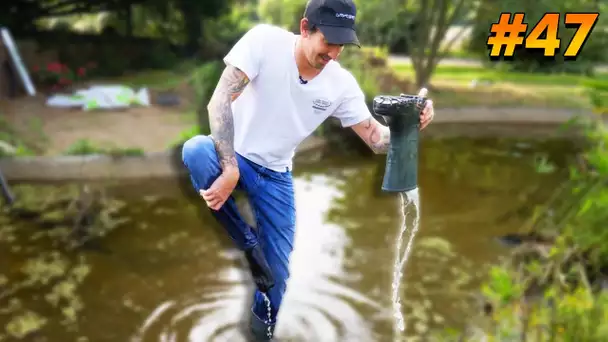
[(158, 79), (468, 73), (85, 147), (152, 78), (453, 87)]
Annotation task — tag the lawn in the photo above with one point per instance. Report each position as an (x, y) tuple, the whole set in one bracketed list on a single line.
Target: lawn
[(460, 86), (158, 79), (452, 86)]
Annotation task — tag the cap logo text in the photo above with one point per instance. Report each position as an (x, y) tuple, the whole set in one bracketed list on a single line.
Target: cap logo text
[(345, 15)]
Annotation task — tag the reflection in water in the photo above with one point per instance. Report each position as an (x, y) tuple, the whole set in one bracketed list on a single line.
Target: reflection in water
[(466, 188), (317, 306)]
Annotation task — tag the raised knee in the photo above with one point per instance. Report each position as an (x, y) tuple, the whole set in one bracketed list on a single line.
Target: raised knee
[(197, 148)]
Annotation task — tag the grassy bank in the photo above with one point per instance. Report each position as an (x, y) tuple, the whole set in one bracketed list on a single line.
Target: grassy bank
[(464, 86), (554, 285)]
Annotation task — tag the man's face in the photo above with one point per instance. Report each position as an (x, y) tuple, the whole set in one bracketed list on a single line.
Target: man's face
[(318, 51)]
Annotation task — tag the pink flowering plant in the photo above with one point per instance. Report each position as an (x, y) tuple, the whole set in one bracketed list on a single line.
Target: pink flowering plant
[(57, 76)]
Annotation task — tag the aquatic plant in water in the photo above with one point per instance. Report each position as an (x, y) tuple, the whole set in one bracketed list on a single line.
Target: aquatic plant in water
[(40, 236)]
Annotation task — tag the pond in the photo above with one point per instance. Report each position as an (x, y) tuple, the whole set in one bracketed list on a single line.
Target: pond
[(170, 274)]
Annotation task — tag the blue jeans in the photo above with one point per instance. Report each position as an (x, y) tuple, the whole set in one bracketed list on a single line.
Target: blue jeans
[(271, 197)]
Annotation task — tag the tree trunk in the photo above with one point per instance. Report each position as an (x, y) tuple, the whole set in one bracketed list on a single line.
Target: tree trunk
[(193, 25), (129, 21), (432, 22)]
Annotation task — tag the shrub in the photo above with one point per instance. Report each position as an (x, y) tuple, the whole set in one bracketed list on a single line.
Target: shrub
[(555, 290), (58, 75), (223, 32), (203, 82), (370, 67)]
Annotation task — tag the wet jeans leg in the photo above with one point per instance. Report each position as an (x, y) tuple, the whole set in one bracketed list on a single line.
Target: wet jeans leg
[(274, 207), (200, 158)]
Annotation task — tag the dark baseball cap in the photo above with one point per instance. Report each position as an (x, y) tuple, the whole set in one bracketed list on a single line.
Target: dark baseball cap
[(335, 19)]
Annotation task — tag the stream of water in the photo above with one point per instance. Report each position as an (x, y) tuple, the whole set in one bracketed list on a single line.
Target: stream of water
[(410, 201)]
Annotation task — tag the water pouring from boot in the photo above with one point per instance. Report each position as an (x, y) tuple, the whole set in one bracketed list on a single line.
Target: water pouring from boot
[(402, 115)]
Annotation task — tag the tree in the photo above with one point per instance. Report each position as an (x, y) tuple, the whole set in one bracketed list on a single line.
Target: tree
[(187, 15), (182, 21), (418, 27), (284, 13), (432, 20), (18, 14)]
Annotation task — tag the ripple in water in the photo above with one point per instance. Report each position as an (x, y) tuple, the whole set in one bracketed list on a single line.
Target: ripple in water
[(316, 307)]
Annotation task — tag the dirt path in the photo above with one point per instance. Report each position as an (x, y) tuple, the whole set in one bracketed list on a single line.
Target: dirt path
[(149, 128)]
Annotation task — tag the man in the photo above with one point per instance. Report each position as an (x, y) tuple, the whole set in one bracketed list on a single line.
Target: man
[(276, 89)]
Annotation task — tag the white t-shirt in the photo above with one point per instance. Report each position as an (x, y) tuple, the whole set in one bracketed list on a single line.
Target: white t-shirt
[(276, 112)]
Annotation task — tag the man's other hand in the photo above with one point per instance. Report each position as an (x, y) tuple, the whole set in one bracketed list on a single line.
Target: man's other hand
[(221, 189), (427, 114)]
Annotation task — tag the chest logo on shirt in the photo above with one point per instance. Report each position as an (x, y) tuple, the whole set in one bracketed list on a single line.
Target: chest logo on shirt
[(320, 105)]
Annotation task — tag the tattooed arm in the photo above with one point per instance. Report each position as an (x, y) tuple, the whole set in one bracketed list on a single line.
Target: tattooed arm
[(375, 135), (231, 84)]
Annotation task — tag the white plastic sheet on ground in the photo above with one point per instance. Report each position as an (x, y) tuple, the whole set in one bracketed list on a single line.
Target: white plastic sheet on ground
[(101, 97)]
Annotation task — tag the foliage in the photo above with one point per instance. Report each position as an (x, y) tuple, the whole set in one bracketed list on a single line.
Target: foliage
[(223, 32), (10, 137), (553, 285), (204, 80), (84, 147), (47, 250), (181, 21), (112, 54), (417, 28), (284, 13), (370, 67), (149, 20), (22, 14), (57, 75), (594, 51), (186, 134), (135, 35), (598, 93), (575, 315), (377, 26)]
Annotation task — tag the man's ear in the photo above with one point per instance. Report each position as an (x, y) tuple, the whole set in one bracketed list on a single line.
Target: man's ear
[(304, 28)]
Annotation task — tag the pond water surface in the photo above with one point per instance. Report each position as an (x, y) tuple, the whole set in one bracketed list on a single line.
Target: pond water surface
[(171, 274)]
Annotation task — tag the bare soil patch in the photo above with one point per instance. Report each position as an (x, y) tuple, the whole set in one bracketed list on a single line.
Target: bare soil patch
[(53, 130)]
